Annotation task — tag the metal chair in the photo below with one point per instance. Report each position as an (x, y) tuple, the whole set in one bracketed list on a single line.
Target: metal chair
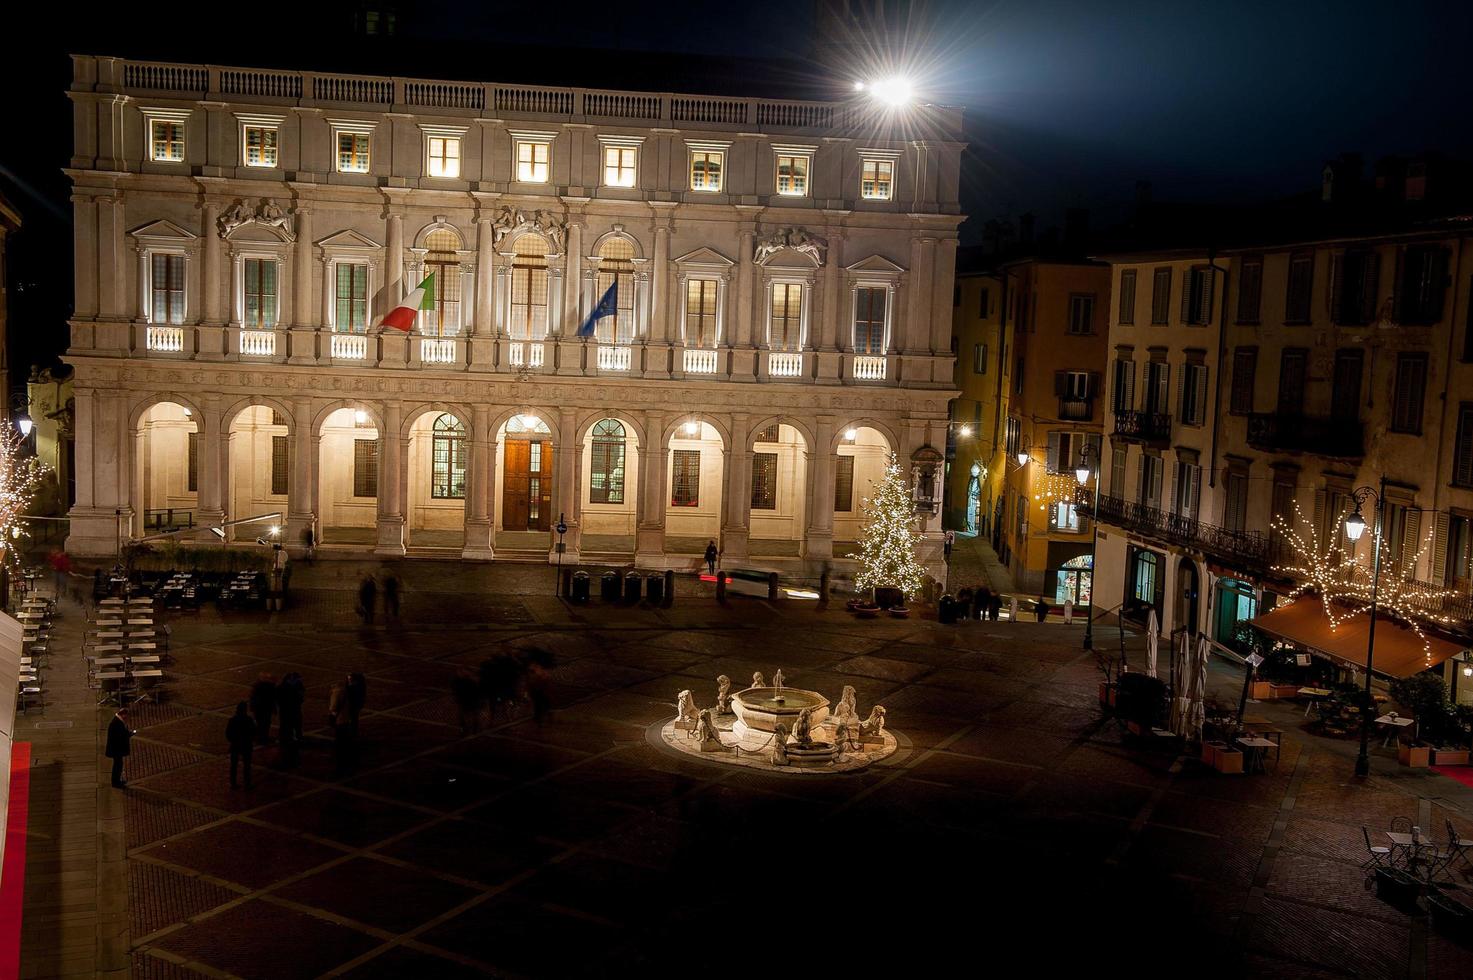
[(1380, 856), (1457, 846)]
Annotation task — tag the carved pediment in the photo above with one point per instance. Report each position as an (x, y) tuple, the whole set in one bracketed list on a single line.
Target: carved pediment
[(790, 247), (876, 263), (704, 256), (255, 232), (163, 230), (347, 238)]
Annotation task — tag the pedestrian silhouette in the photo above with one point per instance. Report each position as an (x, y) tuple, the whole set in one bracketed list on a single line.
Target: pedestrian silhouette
[(117, 748), (367, 593), (263, 705), (240, 732), (391, 597)]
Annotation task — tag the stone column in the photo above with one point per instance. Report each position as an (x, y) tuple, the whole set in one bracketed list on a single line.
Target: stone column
[(484, 255), (210, 500), (943, 277), (85, 252), (212, 285), (111, 277), (567, 500), (745, 337), (390, 489), (835, 311), (301, 489), (565, 356), (736, 499), (394, 266), (649, 537), (143, 311), (303, 347), (820, 533), (657, 355), (477, 488), (918, 313)]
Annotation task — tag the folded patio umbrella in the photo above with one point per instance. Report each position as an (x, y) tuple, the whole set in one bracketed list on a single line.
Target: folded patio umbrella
[(1199, 687), (1151, 629)]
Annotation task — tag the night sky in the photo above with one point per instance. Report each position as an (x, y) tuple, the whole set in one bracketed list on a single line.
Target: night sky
[(1070, 102)]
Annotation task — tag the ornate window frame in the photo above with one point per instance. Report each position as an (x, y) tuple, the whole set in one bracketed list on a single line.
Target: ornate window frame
[(794, 150), (692, 147), (351, 248), (356, 127), (874, 272), (878, 155), (259, 120), (163, 237), (520, 136), (641, 279), (456, 133), (153, 114), (708, 264), (466, 259), (608, 142)]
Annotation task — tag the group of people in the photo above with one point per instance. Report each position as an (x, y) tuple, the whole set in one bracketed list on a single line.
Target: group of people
[(501, 682), (250, 726), (980, 603), (368, 598)]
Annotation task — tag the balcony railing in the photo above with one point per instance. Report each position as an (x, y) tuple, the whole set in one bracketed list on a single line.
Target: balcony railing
[(869, 367), (1076, 409), (437, 350), (1284, 433), (258, 343), (349, 347), (169, 340), (784, 364), (699, 361), (1248, 548), (1458, 607), (524, 354), (612, 358), (1148, 427)]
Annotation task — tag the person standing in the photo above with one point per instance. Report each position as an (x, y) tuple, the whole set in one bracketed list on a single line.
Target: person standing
[(996, 609), (984, 603), (61, 567), (240, 732), (342, 727), (1040, 609), (947, 541), (117, 748), (291, 694), (309, 543), (391, 597), (711, 555), (263, 705), (367, 595)]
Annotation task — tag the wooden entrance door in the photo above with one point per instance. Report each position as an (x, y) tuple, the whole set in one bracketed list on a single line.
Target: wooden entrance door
[(526, 498)]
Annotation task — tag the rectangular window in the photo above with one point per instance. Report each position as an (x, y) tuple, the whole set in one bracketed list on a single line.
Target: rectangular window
[(979, 358), (1245, 371), (844, 485), (1345, 393), (1161, 296), (700, 313), (532, 157), (1463, 448), (1411, 393), (260, 146), (984, 303), (869, 320), (792, 174), (1283, 510), (350, 311), (1235, 505), (365, 467), (1354, 281), (1018, 377), (1124, 385), (1194, 394), (1158, 388), (1014, 437), (168, 288), (786, 331), (1117, 472), (1127, 296), (166, 139), (876, 181), (685, 478), (1459, 572), (764, 481), (1250, 290), (1149, 490), (1196, 296), (1188, 490), (192, 478), (705, 169), (1063, 516), (352, 153), (277, 418), (259, 306), (279, 465), (1082, 313), (1292, 364), (620, 165), (444, 156), (1421, 285), (606, 476), (1297, 295)]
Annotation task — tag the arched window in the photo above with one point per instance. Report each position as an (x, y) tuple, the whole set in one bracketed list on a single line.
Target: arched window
[(529, 289), (441, 260), (616, 265), (447, 469), (606, 474)]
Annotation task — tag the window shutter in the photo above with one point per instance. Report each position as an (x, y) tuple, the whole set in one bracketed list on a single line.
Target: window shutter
[(1439, 550), (1061, 383), (1411, 542), (1053, 451), (1181, 406), (1129, 402), (1094, 384), (1436, 283), (1176, 491), (1186, 296), (1140, 479), (1370, 286), (1319, 519), (1398, 287), (1337, 288), (1196, 472), (1201, 373)]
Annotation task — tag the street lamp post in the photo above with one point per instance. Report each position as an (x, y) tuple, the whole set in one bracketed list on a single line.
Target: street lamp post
[(1089, 463), (562, 528), (1355, 526)]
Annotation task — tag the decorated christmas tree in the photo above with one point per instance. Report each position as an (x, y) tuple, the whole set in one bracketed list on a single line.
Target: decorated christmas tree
[(20, 477), (887, 544)]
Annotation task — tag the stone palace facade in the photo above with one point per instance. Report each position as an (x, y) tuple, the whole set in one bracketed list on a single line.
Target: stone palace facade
[(783, 273)]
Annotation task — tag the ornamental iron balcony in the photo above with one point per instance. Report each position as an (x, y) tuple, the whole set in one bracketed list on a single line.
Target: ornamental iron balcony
[(1076, 409), (1458, 606), (1249, 549), (1151, 428), (1278, 432)]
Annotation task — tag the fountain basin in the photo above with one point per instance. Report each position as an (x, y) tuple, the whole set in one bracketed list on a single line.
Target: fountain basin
[(762, 708)]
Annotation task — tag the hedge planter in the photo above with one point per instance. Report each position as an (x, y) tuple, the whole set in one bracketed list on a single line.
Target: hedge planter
[(899, 612), (1397, 888), (867, 612), (1107, 694), (1415, 756), (1449, 757), (1262, 691)]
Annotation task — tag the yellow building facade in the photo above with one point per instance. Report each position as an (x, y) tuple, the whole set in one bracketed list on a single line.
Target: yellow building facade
[(975, 449)]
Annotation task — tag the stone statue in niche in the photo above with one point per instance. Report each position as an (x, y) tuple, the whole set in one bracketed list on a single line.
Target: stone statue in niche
[(723, 695), (778, 681), (686, 716), (758, 680), (779, 744), (797, 239)]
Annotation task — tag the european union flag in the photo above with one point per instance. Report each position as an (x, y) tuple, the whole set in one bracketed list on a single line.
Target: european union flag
[(608, 306)]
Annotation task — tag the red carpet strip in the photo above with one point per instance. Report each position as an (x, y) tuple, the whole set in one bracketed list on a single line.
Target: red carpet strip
[(13, 872), (1463, 774)]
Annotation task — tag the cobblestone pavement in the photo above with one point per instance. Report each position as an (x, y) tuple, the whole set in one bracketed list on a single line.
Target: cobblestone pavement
[(1018, 823)]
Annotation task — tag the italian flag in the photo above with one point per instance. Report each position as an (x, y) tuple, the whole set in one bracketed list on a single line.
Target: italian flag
[(401, 317)]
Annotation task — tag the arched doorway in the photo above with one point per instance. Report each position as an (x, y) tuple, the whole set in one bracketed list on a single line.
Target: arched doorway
[(438, 454), (610, 504), (696, 475), (778, 518), (1187, 593), (1075, 581), (862, 455), (259, 471), (1237, 602), (167, 466), (974, 498), (524, 481), (348, 478)]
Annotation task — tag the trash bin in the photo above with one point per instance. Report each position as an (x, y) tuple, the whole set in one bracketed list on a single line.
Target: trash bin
[(654, 587), (946, 609), (609, 587), (669, 586), (580, 587), (631, 587)]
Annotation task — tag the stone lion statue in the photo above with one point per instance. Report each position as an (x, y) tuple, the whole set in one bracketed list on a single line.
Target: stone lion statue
[(706, 731), (686, 712), (846, 718), (723, 695), (875, 723), (779, 744)]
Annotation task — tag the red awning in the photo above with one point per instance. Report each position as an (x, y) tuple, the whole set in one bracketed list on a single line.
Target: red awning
[(1400, 652)]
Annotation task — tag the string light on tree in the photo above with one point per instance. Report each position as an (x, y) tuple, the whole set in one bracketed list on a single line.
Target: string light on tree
[(20, 478), (888, 540)]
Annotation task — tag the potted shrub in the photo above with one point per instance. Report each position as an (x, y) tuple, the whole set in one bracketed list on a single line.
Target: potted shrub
[(1425, 696), (1413, 754), (1105, 661), (1141, 702)]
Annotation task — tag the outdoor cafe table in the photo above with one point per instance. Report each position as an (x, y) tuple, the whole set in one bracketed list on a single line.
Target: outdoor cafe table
[(1258, 748), (1421, 853), (1314, 695), (1393, 724)]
